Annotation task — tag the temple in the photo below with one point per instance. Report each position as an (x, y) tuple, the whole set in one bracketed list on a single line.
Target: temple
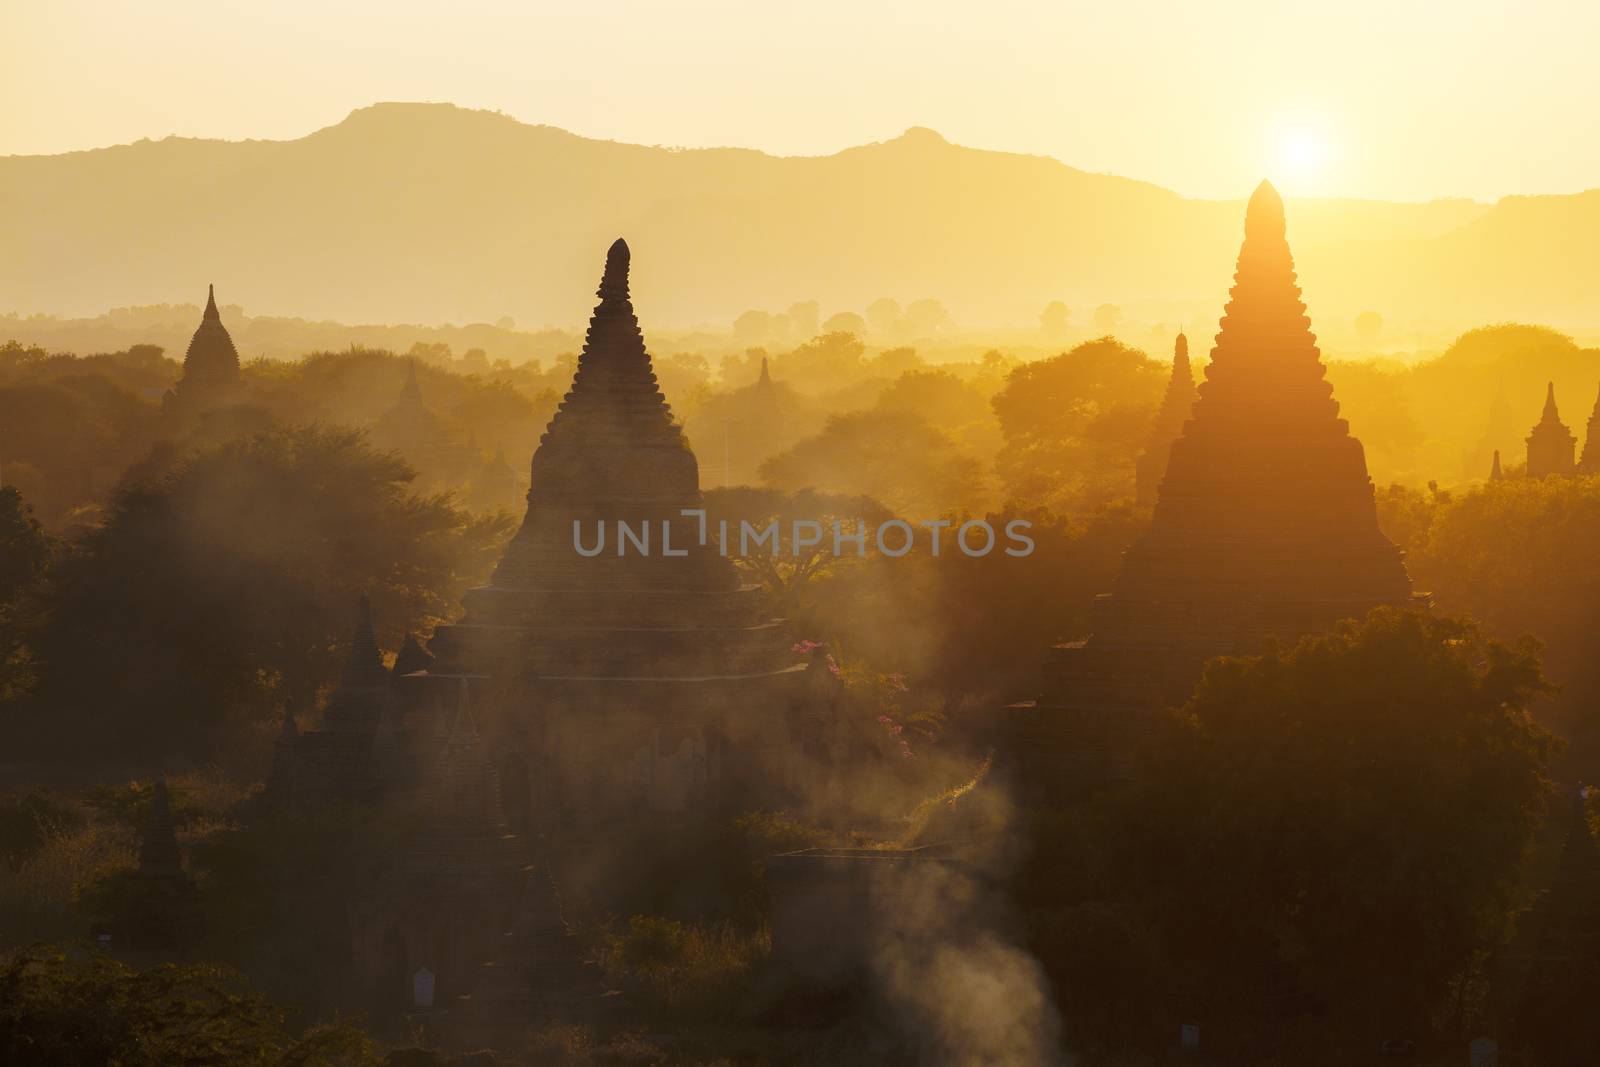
[(210, 379), (1174, 412), (1495, 474), (1589, 462), (640, 680), (410, 428), (1551, 445), (1265, 526)]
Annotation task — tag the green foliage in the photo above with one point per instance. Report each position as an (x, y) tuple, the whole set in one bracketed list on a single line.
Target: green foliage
[(685, 972), (895, 457), (65, 1010), (1074, 425), (29, 822), (1519, 555), (230, 582), (25, 552), (1355, 809)]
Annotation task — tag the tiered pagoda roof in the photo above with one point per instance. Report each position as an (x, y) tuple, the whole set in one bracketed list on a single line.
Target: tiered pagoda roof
[(1589, 463), (1176, 405), (1551, 445), (612, 453), (211, 360), (1265, 524), (159, 854)]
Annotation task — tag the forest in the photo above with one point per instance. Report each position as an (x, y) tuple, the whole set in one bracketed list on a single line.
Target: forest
[(1363, 838)]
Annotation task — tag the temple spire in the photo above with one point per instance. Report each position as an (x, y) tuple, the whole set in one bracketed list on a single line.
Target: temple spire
[(1551, 445), (614, 280), (1174, 412), (411, 391), (211, 313), (365, 663), (159, 855), (766, 376), (1590, 461), (1495, 474)]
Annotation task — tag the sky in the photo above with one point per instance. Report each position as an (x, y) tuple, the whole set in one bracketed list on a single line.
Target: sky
[(1394, 100)]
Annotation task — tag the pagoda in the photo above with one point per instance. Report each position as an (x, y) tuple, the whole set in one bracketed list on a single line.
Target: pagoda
[(210, 378), (1551, 445), (1265, 525), (410, 428), (624, 682), (1495, 473), (211, 363), (1174, 412), (1589, 463)]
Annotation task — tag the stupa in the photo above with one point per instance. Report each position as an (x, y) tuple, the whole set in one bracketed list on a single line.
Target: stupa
[(1589, 462), (1174, 412), (412, 429), (628, 681), (1551, 445), (210, 377), (1265, 525)]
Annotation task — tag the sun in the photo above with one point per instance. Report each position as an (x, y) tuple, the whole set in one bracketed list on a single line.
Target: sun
[(1301, 153)]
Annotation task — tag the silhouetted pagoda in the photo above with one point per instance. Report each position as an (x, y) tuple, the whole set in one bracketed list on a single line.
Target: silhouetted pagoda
[(1495, 474), (411, 429), (1175, 408), (210, 376), (1265, 524), (1589, 463), (211, 363), (1551, 445), (623, 682)]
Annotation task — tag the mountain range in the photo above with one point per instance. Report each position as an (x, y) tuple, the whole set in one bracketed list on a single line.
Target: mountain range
[(429, 213)]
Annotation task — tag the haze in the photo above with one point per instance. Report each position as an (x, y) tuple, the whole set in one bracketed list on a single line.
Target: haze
[(1396, 101)]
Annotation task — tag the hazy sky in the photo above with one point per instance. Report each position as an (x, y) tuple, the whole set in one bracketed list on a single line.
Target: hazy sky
[(1395, 99)]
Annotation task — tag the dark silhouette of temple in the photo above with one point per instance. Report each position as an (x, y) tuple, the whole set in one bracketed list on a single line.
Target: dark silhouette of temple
[(412, 429), (632, 683), (447, 897), (1265, 526), (1589, 462), (1551, 445), (1174, 412), (211, 364)]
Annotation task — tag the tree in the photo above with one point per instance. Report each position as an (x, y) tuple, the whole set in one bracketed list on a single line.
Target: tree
[(1107, 317), (25, 551), (1075, 424), (884, 315), (1054, 319), (1519, 555), (228, 583), (895, 458), (803, 318), (86, 1008), (926, 317), (752, 327), (845, 322), (1354, 809)]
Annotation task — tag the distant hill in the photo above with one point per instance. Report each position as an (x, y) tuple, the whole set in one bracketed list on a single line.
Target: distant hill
[(432, 213)]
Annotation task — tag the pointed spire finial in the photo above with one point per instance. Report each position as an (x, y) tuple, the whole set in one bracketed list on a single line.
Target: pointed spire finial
[(1264, 216), (1494, 471), (1180, 348), (614, 282), (366, 662), (766, 375), (1550, 411), (211, 313)]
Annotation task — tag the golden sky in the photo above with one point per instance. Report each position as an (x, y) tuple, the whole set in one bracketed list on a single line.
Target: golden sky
[(1396, 99)]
